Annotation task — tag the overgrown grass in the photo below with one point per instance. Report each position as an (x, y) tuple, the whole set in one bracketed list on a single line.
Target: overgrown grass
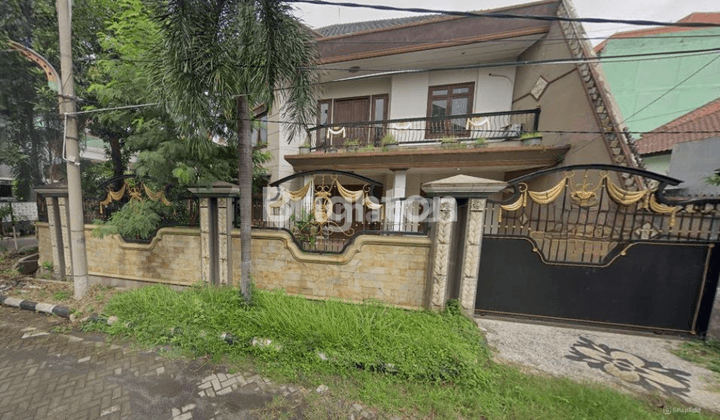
[(417, 363), (705, 353)]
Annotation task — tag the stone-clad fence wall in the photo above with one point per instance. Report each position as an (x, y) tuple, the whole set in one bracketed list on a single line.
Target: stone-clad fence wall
[(407, 270), (389, 268)]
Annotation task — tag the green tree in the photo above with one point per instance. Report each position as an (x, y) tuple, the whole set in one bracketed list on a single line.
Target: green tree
[(214, 59), (32, 129)]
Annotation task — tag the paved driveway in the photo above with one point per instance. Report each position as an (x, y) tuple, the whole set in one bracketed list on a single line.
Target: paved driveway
[(78, 376), (636, 363)]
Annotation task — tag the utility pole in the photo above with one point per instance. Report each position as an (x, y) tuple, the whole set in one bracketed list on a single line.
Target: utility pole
[(67, 109)]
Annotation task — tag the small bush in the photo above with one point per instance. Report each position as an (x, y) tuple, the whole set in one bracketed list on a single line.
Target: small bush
[(135, 220)]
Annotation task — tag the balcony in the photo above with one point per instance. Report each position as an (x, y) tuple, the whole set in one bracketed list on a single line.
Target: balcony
[(493, 127)]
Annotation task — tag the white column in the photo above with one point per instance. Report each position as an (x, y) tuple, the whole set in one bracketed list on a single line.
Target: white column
[(398, 191), (308, 202)]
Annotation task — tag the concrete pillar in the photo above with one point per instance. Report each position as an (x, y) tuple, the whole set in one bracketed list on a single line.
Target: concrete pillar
[(55, 236), (224, 230), (470, 259), (216, 223), (455, 263), (439, 261), (206, 264), (56, 198), (64, 211)]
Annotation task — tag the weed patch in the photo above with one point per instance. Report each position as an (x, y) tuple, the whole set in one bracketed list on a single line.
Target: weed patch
[(416, 363)]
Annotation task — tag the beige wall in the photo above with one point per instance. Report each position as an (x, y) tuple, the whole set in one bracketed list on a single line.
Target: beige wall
[(389, 268), (42, 232), (172, 257), (565, 104)]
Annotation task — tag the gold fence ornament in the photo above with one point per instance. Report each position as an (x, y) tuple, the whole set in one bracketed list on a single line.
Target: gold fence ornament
[(287, 196), (135, 193), (664, 209), (625, 197), (518, 204)]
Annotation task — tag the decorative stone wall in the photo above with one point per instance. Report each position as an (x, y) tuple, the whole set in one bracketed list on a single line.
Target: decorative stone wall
[(173, 257), (388, 268)]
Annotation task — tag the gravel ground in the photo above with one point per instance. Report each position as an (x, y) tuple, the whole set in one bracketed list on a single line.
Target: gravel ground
[(635, 363)]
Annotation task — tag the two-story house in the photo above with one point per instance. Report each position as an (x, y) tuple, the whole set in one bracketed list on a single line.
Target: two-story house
[(457, 95)]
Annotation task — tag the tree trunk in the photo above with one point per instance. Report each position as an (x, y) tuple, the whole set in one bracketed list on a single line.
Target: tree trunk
[(245, 175), (116, 157)]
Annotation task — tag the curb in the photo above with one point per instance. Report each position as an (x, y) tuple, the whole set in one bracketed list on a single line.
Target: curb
[(48, 308)]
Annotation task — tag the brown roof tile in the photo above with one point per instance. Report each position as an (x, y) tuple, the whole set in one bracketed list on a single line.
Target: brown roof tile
[(705, 118)]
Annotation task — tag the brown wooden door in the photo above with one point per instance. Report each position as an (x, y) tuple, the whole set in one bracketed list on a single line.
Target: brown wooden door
[(351, 111)]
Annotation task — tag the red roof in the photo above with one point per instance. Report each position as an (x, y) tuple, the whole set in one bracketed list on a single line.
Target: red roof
[(712, 17), (705, 118)]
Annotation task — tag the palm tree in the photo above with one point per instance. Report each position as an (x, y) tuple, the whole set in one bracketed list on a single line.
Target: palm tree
[(216, 58)]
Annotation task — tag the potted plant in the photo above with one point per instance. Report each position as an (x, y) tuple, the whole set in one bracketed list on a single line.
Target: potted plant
[(388, 142), (479, 142), (368, 148), (531, 139), (352, 145), (304, 148)]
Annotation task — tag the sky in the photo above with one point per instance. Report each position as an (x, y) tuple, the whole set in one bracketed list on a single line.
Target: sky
[(660, 10)]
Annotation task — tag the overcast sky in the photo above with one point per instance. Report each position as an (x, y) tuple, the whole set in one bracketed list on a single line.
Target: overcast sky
[(661, 10)]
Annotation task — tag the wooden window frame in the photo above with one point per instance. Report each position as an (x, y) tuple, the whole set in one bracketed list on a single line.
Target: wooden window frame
[(449, 97)]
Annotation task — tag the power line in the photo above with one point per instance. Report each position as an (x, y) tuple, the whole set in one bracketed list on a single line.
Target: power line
[(652, 102), (387, 72), (496, 15), (497, 41), (672, 88)]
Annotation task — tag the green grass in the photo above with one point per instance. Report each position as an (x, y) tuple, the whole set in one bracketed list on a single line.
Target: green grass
[(411, 362), (61, 295), (705, 353)]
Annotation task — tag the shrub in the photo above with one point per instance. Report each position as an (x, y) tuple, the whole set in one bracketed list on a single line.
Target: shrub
[(135, 220)]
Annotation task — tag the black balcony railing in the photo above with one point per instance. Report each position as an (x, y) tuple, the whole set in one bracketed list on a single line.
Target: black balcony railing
[(491, 126)]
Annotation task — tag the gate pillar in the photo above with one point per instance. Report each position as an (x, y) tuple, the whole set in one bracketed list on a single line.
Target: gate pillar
[(216, 220), (457, 238), (56, 199)]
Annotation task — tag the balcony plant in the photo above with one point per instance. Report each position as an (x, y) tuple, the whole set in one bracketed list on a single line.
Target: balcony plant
[(352, 145), (531, 139), (304, 148), (450, 143), (479, 142), (389, 142)]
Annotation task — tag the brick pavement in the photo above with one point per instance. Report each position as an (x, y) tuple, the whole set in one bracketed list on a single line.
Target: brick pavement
[(48, 375)]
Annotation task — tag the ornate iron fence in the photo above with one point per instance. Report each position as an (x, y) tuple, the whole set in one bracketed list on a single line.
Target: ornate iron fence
[(181, 207), (588, 217), (491, 126), (324, 216)]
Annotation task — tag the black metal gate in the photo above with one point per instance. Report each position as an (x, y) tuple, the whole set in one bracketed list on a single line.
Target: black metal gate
[(600, 244)]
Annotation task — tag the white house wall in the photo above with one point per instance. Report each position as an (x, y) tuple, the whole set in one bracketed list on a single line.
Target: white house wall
[(353, 89), (408, 96)]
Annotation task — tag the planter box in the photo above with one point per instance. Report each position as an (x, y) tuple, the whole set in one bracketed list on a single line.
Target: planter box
[(531, 141)]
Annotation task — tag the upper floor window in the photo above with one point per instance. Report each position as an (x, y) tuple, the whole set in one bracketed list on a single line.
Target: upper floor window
[(445, 101)]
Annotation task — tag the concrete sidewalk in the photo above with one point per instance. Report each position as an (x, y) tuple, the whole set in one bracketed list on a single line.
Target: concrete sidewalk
[(632, 363), (46, 375)]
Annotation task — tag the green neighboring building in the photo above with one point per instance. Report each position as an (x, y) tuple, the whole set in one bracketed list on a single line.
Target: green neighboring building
[(635, 84)]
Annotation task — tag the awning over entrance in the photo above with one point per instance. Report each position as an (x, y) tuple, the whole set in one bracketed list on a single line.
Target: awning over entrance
[(505, 159)]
